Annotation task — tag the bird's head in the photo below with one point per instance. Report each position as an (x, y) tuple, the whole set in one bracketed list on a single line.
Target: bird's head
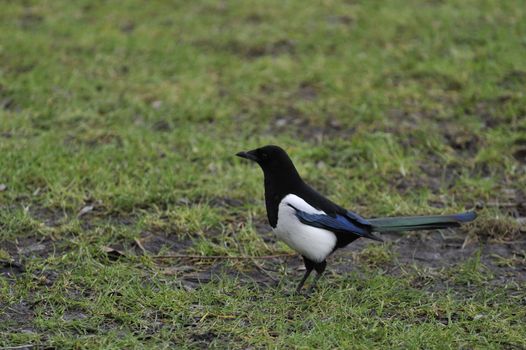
[(270, 158)]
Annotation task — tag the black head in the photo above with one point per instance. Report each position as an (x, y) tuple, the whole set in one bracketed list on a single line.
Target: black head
[(271, 159)]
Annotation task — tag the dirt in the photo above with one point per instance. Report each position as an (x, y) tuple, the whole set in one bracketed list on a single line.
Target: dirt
[(93, 141), (128, 27), (162, 126), (294, 122), (225, 202), (464, 142), (249, 51), (30, 247), (7, 101), (492, 110), (307, 91), (442, 249), (30, 20), (18, 316), (343, 20), (9, 268), (154, 242), (513, 80), (276, 48), (50, 217)]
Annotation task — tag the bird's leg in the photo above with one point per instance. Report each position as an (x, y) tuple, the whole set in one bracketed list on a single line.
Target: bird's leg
[(309, 266), (320, 268), (305, 276)]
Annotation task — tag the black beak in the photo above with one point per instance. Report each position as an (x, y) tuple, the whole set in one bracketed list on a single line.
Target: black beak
[(248, 155)]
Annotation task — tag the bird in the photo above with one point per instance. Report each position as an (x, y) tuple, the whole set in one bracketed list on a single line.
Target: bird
[(313, 225)]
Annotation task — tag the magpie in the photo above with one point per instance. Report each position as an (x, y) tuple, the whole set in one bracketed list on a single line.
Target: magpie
[(313, 225)]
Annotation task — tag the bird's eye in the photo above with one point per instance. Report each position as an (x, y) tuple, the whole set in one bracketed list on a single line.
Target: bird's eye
[(264, 155)]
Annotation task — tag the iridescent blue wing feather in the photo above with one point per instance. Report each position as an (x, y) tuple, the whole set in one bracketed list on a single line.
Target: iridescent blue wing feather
[(338, 223)]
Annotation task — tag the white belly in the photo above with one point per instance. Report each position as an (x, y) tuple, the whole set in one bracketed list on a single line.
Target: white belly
[(312, 242)]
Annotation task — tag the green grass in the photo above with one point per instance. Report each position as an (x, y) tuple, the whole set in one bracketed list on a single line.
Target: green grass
[(134, 111)]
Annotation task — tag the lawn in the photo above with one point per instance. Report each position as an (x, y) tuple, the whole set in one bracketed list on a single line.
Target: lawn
[(119, 122)]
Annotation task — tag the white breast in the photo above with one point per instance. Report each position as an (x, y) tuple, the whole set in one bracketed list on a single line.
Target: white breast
[(312, 242)]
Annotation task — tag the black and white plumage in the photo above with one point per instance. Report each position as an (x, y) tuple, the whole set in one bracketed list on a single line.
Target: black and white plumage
[(314, 226)]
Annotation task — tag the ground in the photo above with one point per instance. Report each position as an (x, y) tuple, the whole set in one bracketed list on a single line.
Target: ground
[(119, 122)]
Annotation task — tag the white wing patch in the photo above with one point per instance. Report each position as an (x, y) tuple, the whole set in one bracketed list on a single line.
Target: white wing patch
[(300, 204), (312, 242)]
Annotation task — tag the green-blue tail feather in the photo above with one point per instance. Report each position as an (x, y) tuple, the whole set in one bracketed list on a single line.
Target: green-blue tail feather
[(413, 223)]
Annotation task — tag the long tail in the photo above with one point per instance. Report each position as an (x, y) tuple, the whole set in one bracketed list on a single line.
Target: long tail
[(414, 223)]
